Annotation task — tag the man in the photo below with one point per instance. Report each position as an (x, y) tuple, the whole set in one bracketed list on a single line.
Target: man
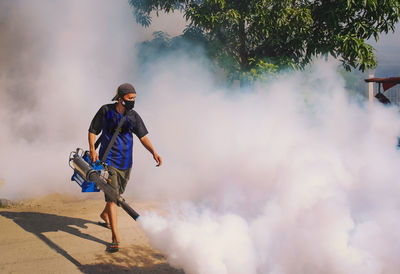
[(119, 159)]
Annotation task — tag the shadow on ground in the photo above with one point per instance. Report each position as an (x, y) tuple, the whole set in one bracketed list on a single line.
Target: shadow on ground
[(131, 259), (40, 223)]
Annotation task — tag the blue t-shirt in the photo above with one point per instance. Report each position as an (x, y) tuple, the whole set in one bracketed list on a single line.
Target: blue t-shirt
[(106, 121)]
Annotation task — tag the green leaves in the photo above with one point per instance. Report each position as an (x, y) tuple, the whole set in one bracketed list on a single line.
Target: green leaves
[(251, 39), (356, 53)]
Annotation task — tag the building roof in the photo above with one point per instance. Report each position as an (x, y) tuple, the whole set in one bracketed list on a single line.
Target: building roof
[(387, 83)]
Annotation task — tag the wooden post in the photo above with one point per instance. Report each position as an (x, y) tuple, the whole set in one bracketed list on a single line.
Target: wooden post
[(371, 90)]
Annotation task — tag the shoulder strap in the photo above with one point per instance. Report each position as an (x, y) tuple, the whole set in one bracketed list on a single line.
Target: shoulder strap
[(96, 145), (112, 141)]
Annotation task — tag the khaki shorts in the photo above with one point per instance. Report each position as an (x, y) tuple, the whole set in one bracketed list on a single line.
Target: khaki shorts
[(119, 178)]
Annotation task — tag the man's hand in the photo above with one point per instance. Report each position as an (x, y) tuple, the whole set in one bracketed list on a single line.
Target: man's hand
[(93, 155), (158, 159)]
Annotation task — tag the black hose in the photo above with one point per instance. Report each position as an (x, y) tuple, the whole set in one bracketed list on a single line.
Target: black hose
[(93, 176)]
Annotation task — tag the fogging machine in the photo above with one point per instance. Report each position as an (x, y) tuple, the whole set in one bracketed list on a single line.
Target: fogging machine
[(93, 177)]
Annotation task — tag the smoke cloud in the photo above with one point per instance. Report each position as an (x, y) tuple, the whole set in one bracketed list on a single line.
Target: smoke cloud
[(295, 177), (59, 62)]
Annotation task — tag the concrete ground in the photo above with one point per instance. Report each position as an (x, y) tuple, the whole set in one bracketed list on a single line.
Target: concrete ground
[(58, 234)]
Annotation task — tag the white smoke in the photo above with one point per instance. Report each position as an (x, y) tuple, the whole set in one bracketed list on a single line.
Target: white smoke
[(60, 61), (296, 177)]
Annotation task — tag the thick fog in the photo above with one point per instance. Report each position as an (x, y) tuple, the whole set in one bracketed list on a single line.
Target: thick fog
[(297, 176)]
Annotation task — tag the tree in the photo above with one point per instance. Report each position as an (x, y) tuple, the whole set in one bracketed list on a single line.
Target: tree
[(191, 43), (250, 38)]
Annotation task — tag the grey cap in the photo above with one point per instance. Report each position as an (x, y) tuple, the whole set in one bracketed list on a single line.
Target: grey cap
[(123, 90)]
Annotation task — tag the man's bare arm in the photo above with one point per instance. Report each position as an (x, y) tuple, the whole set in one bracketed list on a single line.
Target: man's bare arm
[(147, 144), (93, 154)]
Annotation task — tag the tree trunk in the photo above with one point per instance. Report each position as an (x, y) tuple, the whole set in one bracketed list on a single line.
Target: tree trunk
[(244, 65)]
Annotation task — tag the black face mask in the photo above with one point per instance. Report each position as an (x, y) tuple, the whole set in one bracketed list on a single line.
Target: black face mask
[(128, 104)]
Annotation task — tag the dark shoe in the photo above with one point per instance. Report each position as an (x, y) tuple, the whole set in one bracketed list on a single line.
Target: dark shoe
[(113, 247)]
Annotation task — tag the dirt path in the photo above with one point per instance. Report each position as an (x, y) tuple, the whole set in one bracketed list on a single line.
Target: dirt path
[(58, 234)]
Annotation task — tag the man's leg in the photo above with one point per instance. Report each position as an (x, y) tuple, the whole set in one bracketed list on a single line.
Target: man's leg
[(118, 180), (112, 213), (104, 215)]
